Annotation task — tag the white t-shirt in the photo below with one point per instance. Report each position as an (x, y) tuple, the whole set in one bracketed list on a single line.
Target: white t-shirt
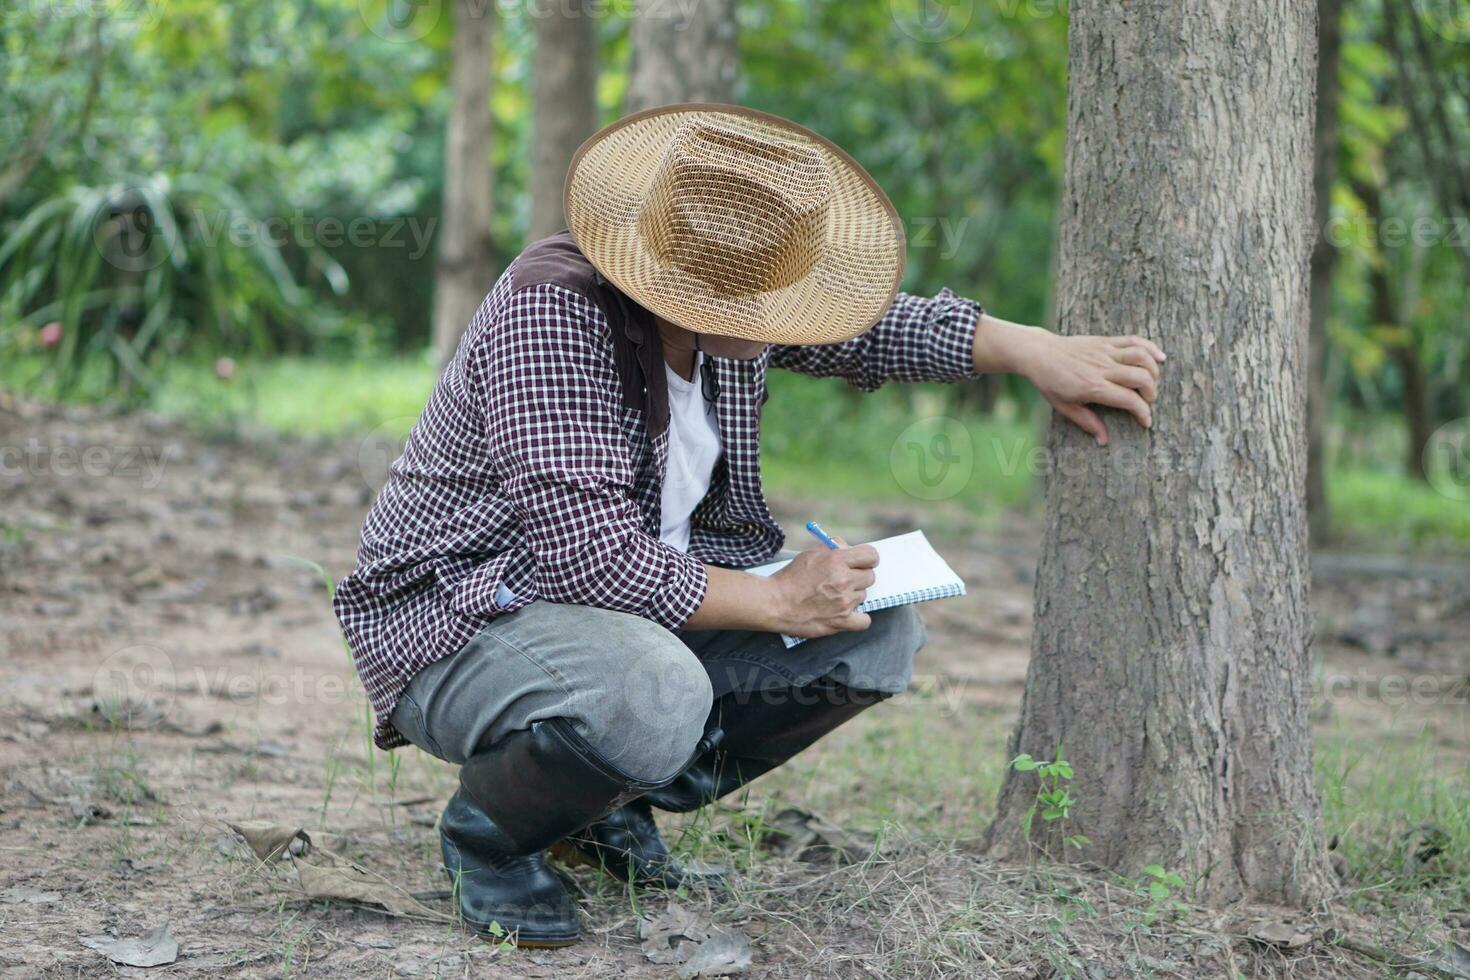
[(694, 449)]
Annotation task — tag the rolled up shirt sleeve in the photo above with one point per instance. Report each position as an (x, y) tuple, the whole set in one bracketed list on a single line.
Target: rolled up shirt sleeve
[(552, 406), (919, 339)]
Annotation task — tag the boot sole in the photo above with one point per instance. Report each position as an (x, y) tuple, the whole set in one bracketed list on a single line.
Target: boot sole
[(537, 943), (521, 940), (518, 938)]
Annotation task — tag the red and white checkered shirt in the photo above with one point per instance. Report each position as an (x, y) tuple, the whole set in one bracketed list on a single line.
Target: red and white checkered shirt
[(532, 468)]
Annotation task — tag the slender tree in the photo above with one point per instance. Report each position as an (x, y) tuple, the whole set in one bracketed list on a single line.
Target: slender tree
[(1324, 261), (564, 74), (1386, 316), (1170, 658), (682, 54), (465, 267)]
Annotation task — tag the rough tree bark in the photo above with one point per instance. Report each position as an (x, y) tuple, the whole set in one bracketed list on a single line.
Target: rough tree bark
[(1170, 656), (682, 55), (564, 73), (466, 259), (1324, 263)]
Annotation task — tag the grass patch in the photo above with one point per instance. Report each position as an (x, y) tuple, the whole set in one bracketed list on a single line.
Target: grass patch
[(1389, 507), (304, 397), (1399, 812), (1396, 806)]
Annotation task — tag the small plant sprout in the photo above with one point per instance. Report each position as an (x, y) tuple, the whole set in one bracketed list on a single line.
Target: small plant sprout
[(1053, 800), (1159, 886)]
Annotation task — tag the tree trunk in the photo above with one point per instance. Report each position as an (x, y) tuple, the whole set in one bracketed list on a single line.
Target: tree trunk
[(465, 267), (1170, 657), (1417, 416), (1324, 263), (564, 73), (1385, 317), (682, 54)]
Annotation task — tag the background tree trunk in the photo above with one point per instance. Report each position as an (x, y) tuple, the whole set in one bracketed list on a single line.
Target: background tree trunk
[(465, 269), (1403, 346), (564, 73), (1324, 263), (1170, 657), (682, 55)]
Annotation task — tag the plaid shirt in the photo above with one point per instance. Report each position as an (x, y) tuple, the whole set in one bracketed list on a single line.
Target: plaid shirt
[(533, 468)]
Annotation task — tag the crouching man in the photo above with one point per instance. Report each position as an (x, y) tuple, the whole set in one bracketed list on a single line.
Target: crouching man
[(548, 591)]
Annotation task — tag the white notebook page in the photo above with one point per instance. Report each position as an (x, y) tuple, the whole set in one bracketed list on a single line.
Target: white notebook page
[(909, 570)]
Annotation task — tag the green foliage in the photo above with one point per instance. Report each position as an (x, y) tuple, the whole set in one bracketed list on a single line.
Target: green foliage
[(1162, 889), (1423, 248), (148, 265), (964, 132), (820, 437), (1053, 800)]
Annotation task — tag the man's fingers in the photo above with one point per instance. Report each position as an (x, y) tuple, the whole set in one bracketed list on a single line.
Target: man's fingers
[(863, 556), (1117, 396), (1086, 420), (1131, 340), (1139, 356), (855, 621), (1136, 378)]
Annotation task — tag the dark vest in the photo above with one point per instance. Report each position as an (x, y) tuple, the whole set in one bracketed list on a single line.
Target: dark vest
[(637, 348)]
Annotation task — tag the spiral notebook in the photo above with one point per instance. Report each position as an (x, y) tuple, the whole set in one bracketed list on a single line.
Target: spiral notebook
[(909, 570)]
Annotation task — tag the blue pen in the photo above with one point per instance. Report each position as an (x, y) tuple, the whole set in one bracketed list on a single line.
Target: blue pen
[(821, 535)]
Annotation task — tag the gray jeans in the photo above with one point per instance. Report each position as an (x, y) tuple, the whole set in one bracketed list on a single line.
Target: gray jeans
[(637, 692)]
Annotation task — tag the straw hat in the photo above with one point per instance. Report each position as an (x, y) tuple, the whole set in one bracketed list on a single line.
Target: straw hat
[(734, 222)]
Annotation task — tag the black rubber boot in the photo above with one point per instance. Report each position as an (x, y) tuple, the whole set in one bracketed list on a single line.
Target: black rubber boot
[(498, 888), (626, 843), (761, 730), (514, 801)]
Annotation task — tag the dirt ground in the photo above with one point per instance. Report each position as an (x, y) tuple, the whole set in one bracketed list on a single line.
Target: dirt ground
[(171, 665)]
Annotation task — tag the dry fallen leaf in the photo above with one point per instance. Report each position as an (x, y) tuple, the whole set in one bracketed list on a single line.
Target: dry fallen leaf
[(270, 840), (1457, 959), (680, 935), (28, 896), (351, 882), (809, 836), (1283, 935), (725, 953), (154, 949), (324, 874), (671, 936)]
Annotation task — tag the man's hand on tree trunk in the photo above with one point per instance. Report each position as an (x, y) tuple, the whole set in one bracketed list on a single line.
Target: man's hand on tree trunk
[(1074, 373)]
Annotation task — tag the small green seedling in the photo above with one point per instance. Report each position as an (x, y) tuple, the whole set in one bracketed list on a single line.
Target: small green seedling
[(1159, 886), (1053, 801)]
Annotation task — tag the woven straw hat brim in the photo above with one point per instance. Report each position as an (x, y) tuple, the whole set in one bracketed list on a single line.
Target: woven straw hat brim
[(847, 288)]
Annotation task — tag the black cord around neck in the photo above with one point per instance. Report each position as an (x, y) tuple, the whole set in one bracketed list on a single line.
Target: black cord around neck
[(709, 384)]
